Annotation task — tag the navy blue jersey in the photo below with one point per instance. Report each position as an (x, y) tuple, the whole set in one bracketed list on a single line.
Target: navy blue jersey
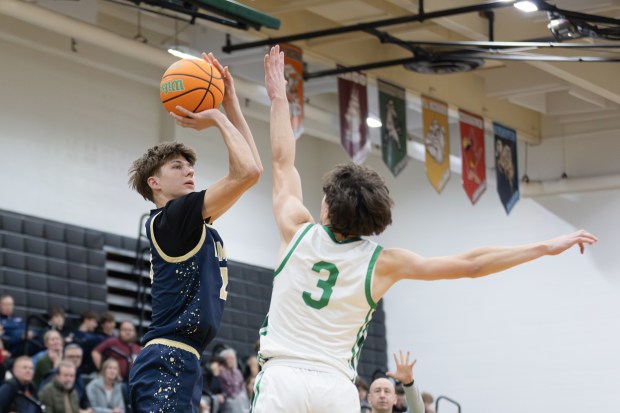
[(189, 273)]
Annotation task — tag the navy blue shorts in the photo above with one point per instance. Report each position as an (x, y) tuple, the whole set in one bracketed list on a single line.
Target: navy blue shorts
[(165, 379)]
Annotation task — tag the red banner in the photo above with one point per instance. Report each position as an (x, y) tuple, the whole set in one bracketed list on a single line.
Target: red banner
[(472, 155), (294, 73)]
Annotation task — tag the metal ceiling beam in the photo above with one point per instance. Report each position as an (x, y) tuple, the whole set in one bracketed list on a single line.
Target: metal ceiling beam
[(369, 25)]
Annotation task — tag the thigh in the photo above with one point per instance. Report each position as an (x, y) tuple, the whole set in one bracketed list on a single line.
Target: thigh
[(280, 389), (165, 379), (295, 390), (334, 393)]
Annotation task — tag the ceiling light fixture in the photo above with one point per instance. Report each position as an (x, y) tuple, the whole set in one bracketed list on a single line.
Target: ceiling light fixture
[(526, 6), (373, 122), (183, 52)]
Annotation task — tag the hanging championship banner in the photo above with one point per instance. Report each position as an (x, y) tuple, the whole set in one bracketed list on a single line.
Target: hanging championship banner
[(436, 141), (472, 155), (294, 74), (353, 113), (394, 126), (506, 165)]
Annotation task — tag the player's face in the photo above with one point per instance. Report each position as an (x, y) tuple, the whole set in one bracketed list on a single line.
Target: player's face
[(382, 395), (176, 178)]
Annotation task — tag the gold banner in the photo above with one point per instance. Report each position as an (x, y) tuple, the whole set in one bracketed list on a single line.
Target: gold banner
[(436, 141)]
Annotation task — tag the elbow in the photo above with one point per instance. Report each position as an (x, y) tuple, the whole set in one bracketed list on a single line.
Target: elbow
[(252, 175)]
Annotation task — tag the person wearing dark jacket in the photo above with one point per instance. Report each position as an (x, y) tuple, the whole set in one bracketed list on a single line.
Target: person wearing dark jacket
[(18, 394)]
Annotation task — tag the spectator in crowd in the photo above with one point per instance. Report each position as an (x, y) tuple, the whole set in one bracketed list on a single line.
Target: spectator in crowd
[(18, 394), (13, 328), (50, 358), (251, 367), (86, 338), (59, 395), (107, 324), (4, 356), (74, 354), (382, 392), (105, 392), (212, 383), (57, 319), (232, 384), (362, 391), (122, 348), (401, 402), (428, 400)]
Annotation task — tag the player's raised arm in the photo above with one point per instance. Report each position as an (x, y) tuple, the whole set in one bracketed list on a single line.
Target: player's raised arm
[(397, 264), (243, 172), (288, 208), (233, 108)]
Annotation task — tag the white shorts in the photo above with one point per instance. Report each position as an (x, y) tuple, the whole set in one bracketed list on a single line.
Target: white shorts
[(287, 389)]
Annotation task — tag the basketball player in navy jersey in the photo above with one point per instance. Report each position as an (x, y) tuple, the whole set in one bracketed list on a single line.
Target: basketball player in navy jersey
[(188, 264)]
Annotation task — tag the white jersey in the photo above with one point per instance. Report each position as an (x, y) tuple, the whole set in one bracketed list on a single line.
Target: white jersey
[(321, 303)]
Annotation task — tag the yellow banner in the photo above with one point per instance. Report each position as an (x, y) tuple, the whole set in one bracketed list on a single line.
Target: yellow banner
[(436, 141)]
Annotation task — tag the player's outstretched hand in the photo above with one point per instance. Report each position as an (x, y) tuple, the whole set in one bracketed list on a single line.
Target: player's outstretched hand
[(198, 121), (275, 82), (229, 84), (560, 244), (404, 368)]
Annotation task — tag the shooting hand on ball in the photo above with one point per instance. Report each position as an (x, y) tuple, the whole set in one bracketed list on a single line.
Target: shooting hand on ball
[(199, 121)]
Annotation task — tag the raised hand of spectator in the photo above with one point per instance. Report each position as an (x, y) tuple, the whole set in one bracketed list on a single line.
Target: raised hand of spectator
[(404, 368)]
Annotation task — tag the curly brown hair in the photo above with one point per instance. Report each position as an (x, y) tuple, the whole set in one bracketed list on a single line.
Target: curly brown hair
[(358, 200), (150, 163)]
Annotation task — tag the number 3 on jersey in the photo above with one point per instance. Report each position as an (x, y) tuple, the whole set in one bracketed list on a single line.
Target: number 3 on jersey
[(326, 285)]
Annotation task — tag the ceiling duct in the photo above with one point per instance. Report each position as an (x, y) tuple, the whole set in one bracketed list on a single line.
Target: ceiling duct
[(444, 66)]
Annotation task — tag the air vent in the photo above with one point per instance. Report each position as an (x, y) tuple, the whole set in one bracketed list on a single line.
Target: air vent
[(444, 66)]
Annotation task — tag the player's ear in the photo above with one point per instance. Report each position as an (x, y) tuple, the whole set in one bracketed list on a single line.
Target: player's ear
[(153, 182)]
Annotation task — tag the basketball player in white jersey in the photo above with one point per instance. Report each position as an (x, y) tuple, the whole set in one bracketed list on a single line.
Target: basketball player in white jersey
[(329, 278)]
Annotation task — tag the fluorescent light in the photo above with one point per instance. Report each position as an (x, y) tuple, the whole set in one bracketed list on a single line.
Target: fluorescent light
[(527, 6), (183, 52), (373, 122)]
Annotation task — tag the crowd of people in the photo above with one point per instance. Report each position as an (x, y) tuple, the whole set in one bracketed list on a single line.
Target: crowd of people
[(85, 369)]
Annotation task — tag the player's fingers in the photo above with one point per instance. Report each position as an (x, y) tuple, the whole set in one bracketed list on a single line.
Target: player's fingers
[(581, 247), (185, 111), (408, 355), (413, 361), (395, 359)]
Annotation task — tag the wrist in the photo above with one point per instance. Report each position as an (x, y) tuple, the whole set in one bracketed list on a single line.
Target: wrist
[(409, 384)]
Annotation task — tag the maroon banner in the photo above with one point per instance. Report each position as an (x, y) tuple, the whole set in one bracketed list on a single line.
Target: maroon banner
[(294, 73), (472, 155), (353, 100)]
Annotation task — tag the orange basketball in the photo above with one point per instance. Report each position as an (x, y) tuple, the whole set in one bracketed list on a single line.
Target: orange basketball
[(193, 84)]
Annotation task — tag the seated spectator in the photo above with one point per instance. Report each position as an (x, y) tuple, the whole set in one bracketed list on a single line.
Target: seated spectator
[(60, 396), (428, 400), (362, 391), (55, 321), (86, 338), (13, 328), (105, 392), (18, 394), (4, 356), (122, 348), (382, 392), (107, 324), (72, 353), (233, 384), (51, 357), (212, 383)]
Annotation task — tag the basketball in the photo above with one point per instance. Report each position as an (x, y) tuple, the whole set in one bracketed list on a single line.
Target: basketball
[(193, 84)]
